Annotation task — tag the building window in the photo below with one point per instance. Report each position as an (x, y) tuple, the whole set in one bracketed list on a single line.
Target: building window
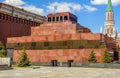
[(18, 44), (46, 44), (65, 18), (49, 19), (53, 19), (73, 19), (16, 15), (57, 18)]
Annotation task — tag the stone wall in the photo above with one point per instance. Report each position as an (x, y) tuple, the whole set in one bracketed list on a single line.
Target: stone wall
[(60, 37), (77, 64), (96, 65), (14, 27), (61, 55), (5, 61), (54, 28)]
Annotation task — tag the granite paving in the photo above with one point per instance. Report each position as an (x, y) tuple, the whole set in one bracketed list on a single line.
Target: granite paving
[(60, 72)]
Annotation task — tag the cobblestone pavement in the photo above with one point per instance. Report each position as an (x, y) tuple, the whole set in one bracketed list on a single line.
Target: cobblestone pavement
[(60, 72)]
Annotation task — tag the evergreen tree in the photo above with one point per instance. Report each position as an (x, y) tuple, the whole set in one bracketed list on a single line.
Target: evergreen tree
[(106, 57), (23, 59), (2, 50), (92, 57)]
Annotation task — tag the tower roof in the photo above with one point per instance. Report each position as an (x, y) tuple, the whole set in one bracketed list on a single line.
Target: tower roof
[(109, 6)]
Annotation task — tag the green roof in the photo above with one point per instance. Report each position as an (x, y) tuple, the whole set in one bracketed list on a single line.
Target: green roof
[(109, 6)]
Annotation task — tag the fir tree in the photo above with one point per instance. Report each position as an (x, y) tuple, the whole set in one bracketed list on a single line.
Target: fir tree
[(106, 57), (2, 50), (23, 59), (92, 57)]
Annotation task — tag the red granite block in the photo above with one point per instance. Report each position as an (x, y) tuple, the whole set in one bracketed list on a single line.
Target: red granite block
[(78, 55)]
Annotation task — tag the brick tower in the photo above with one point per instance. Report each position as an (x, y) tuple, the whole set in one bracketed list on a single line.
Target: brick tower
[(109, 21)]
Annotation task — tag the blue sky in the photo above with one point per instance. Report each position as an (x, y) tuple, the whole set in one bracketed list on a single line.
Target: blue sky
[(90, 13)]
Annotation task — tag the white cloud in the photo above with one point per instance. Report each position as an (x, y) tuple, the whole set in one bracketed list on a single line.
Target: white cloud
[(90, 8), (63, 7), (33, 9), (22, 4), (51, 8), (14, 2), (99, 2)]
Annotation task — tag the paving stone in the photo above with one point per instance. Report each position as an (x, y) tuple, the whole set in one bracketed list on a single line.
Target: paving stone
[(60, 72)]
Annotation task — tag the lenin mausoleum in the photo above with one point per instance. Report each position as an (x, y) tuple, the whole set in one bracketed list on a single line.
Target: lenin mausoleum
[(56, 39)]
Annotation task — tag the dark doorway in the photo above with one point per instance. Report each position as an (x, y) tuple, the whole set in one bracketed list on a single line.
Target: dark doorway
[(115, 56), (10, 53), (70, 63), (54, 63)]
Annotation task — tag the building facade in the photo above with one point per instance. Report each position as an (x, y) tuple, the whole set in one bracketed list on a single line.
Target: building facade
[(16, 22), (20, 13), (58, 40)]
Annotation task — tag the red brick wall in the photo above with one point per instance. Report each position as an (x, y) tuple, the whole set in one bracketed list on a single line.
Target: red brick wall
[(14, 27), (78, 55)]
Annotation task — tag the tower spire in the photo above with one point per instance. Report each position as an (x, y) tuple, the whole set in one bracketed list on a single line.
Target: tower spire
[(109, 22), (109, 6)]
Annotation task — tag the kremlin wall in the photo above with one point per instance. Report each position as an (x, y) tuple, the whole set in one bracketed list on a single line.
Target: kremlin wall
[(16, 22)]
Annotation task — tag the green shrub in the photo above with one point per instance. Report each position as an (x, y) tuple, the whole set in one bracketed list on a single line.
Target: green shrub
[(106, 57), (92, 57), (2, 50), (23, 59)]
